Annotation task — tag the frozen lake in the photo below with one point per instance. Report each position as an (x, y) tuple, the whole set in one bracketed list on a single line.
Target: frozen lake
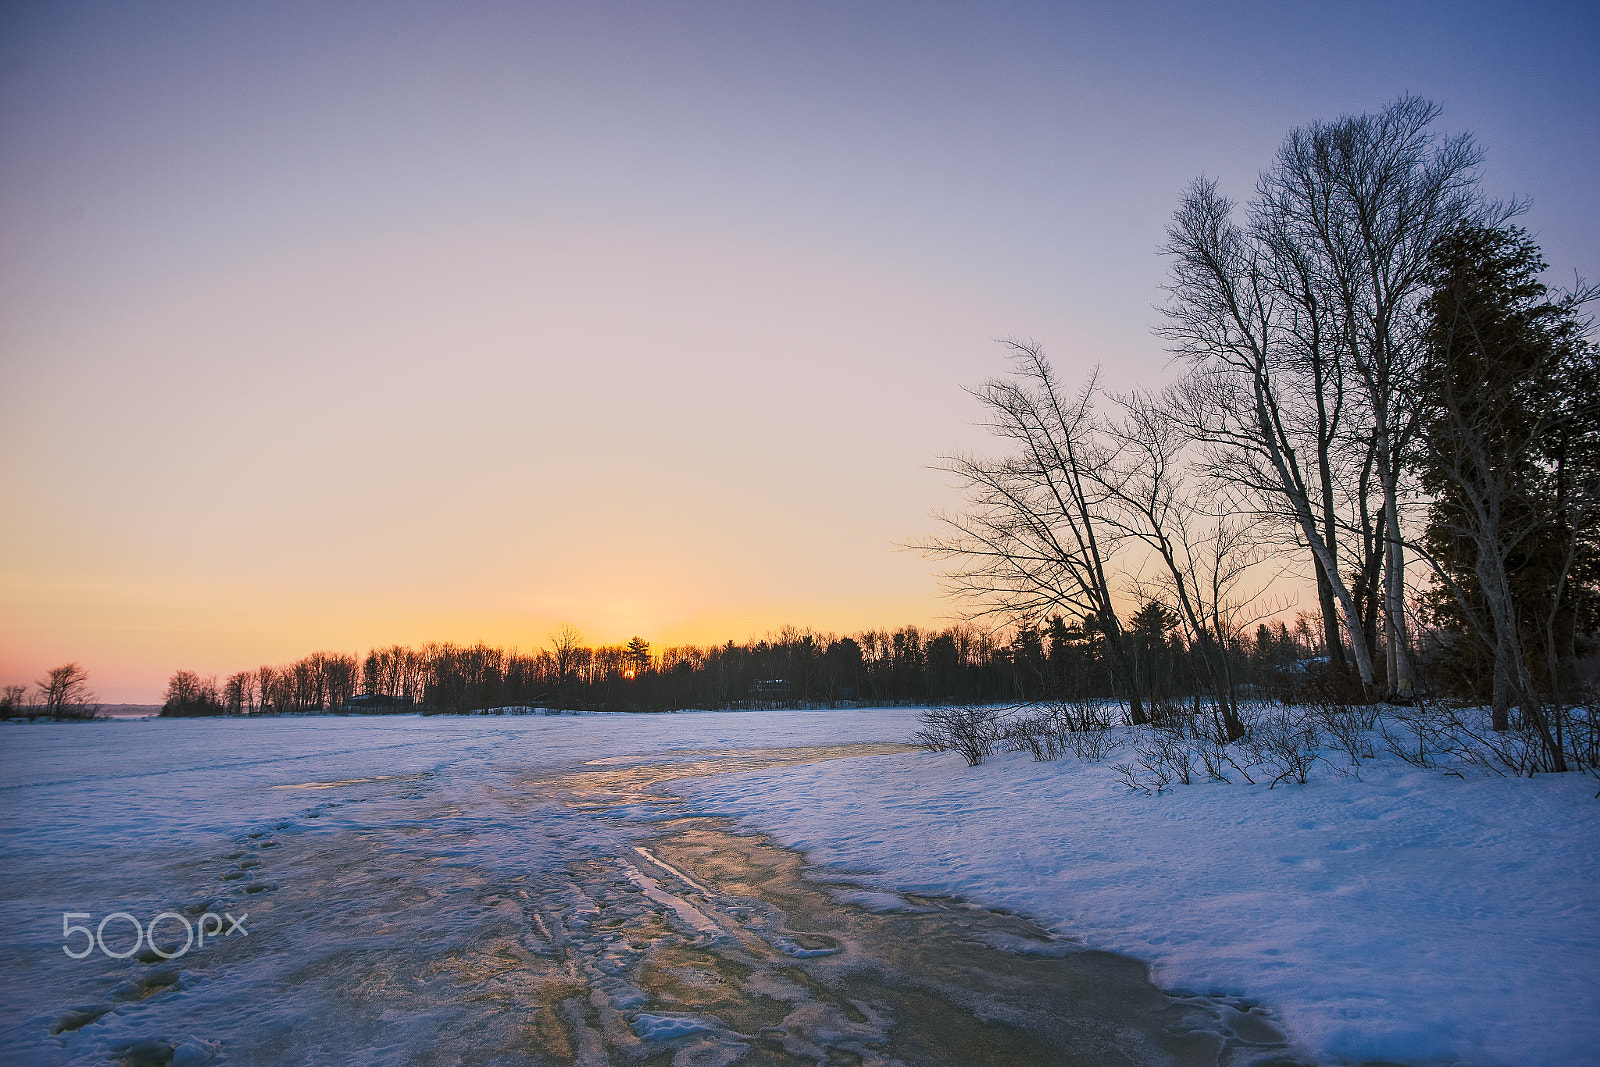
[(508, 890)]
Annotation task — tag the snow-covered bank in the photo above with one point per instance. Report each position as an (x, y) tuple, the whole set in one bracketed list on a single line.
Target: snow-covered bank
[(1412, 916)]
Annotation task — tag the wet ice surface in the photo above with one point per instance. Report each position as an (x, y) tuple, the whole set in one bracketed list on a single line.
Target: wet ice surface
[(444, 891)]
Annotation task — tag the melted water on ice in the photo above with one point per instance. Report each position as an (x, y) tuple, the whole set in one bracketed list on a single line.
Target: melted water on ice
[(578, 915)]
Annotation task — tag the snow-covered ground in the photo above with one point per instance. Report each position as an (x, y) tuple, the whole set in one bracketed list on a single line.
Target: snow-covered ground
[(1411, 916)]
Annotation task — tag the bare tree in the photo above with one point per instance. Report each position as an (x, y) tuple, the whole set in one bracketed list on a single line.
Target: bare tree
[(238, 693), (269, 684), (1368, 199), (1199, 542), (1033, 540), (1312, 308), (566, 641), (64, 693), (1239, 316), (190, 694), (337, 674)]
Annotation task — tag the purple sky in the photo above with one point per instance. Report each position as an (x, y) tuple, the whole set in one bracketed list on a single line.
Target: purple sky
[(331, 325)]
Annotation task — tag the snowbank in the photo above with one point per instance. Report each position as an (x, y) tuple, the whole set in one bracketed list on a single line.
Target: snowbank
[(1412, 916)]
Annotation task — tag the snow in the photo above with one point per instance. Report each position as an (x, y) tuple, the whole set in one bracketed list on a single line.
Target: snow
[(1412, 916)]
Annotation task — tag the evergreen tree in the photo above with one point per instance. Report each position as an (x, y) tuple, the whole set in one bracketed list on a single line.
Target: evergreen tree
[(1508, 449)]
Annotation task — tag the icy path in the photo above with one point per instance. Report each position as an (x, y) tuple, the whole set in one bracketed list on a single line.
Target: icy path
[(514, 891)]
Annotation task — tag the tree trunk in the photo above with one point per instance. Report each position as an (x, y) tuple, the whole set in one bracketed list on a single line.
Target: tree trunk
[(1500, 708), (1325, 599), (1121, 668), (1330, 616), (1401, 678)]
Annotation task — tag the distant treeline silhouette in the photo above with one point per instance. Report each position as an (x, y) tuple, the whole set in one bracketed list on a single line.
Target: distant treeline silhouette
[(791, 668)]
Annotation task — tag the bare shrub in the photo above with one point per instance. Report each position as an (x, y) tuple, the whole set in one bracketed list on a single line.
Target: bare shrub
[(1095, 745), (1052, 729), (1439, 736), (1429, 732), (1466, 735), (1287, 744), (1040, 733), (1580, 725), (1077, 716), (1348, 728), (1154, 765), (1167, 757), (1215, 759), (1169, 712), (1181, 751), (1128, 774), (1519, 751), (971, 731)]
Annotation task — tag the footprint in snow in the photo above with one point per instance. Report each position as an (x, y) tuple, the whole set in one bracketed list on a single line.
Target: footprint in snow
[(79, 1017)]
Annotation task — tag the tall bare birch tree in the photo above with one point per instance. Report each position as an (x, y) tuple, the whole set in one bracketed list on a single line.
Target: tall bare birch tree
[(1368, 198), (1267, 393), (1326, 279)]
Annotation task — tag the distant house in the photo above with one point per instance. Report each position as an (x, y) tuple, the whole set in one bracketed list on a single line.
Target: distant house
[(1306, 666), (375, 702), (770, 689)]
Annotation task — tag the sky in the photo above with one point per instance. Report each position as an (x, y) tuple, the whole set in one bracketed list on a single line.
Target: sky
[(332, 326)]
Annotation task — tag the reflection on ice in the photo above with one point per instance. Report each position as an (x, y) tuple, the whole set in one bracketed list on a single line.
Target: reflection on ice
[(569, 913), (331, 785)]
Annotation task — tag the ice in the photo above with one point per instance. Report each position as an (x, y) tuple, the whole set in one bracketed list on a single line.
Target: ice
[(667, 1028), (876, 900), (679, 875), (148, 816), (689, 915), (195, 1053), (1028, 946), (790, 947)]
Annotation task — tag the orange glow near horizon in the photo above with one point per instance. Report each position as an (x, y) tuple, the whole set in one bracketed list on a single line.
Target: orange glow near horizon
[(130, 660), (189, 530)]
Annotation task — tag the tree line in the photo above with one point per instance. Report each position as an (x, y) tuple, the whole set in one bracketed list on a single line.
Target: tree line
[(962, 664)]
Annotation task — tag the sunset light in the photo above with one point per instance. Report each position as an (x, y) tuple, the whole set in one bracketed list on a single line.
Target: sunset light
[(330, 343)]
